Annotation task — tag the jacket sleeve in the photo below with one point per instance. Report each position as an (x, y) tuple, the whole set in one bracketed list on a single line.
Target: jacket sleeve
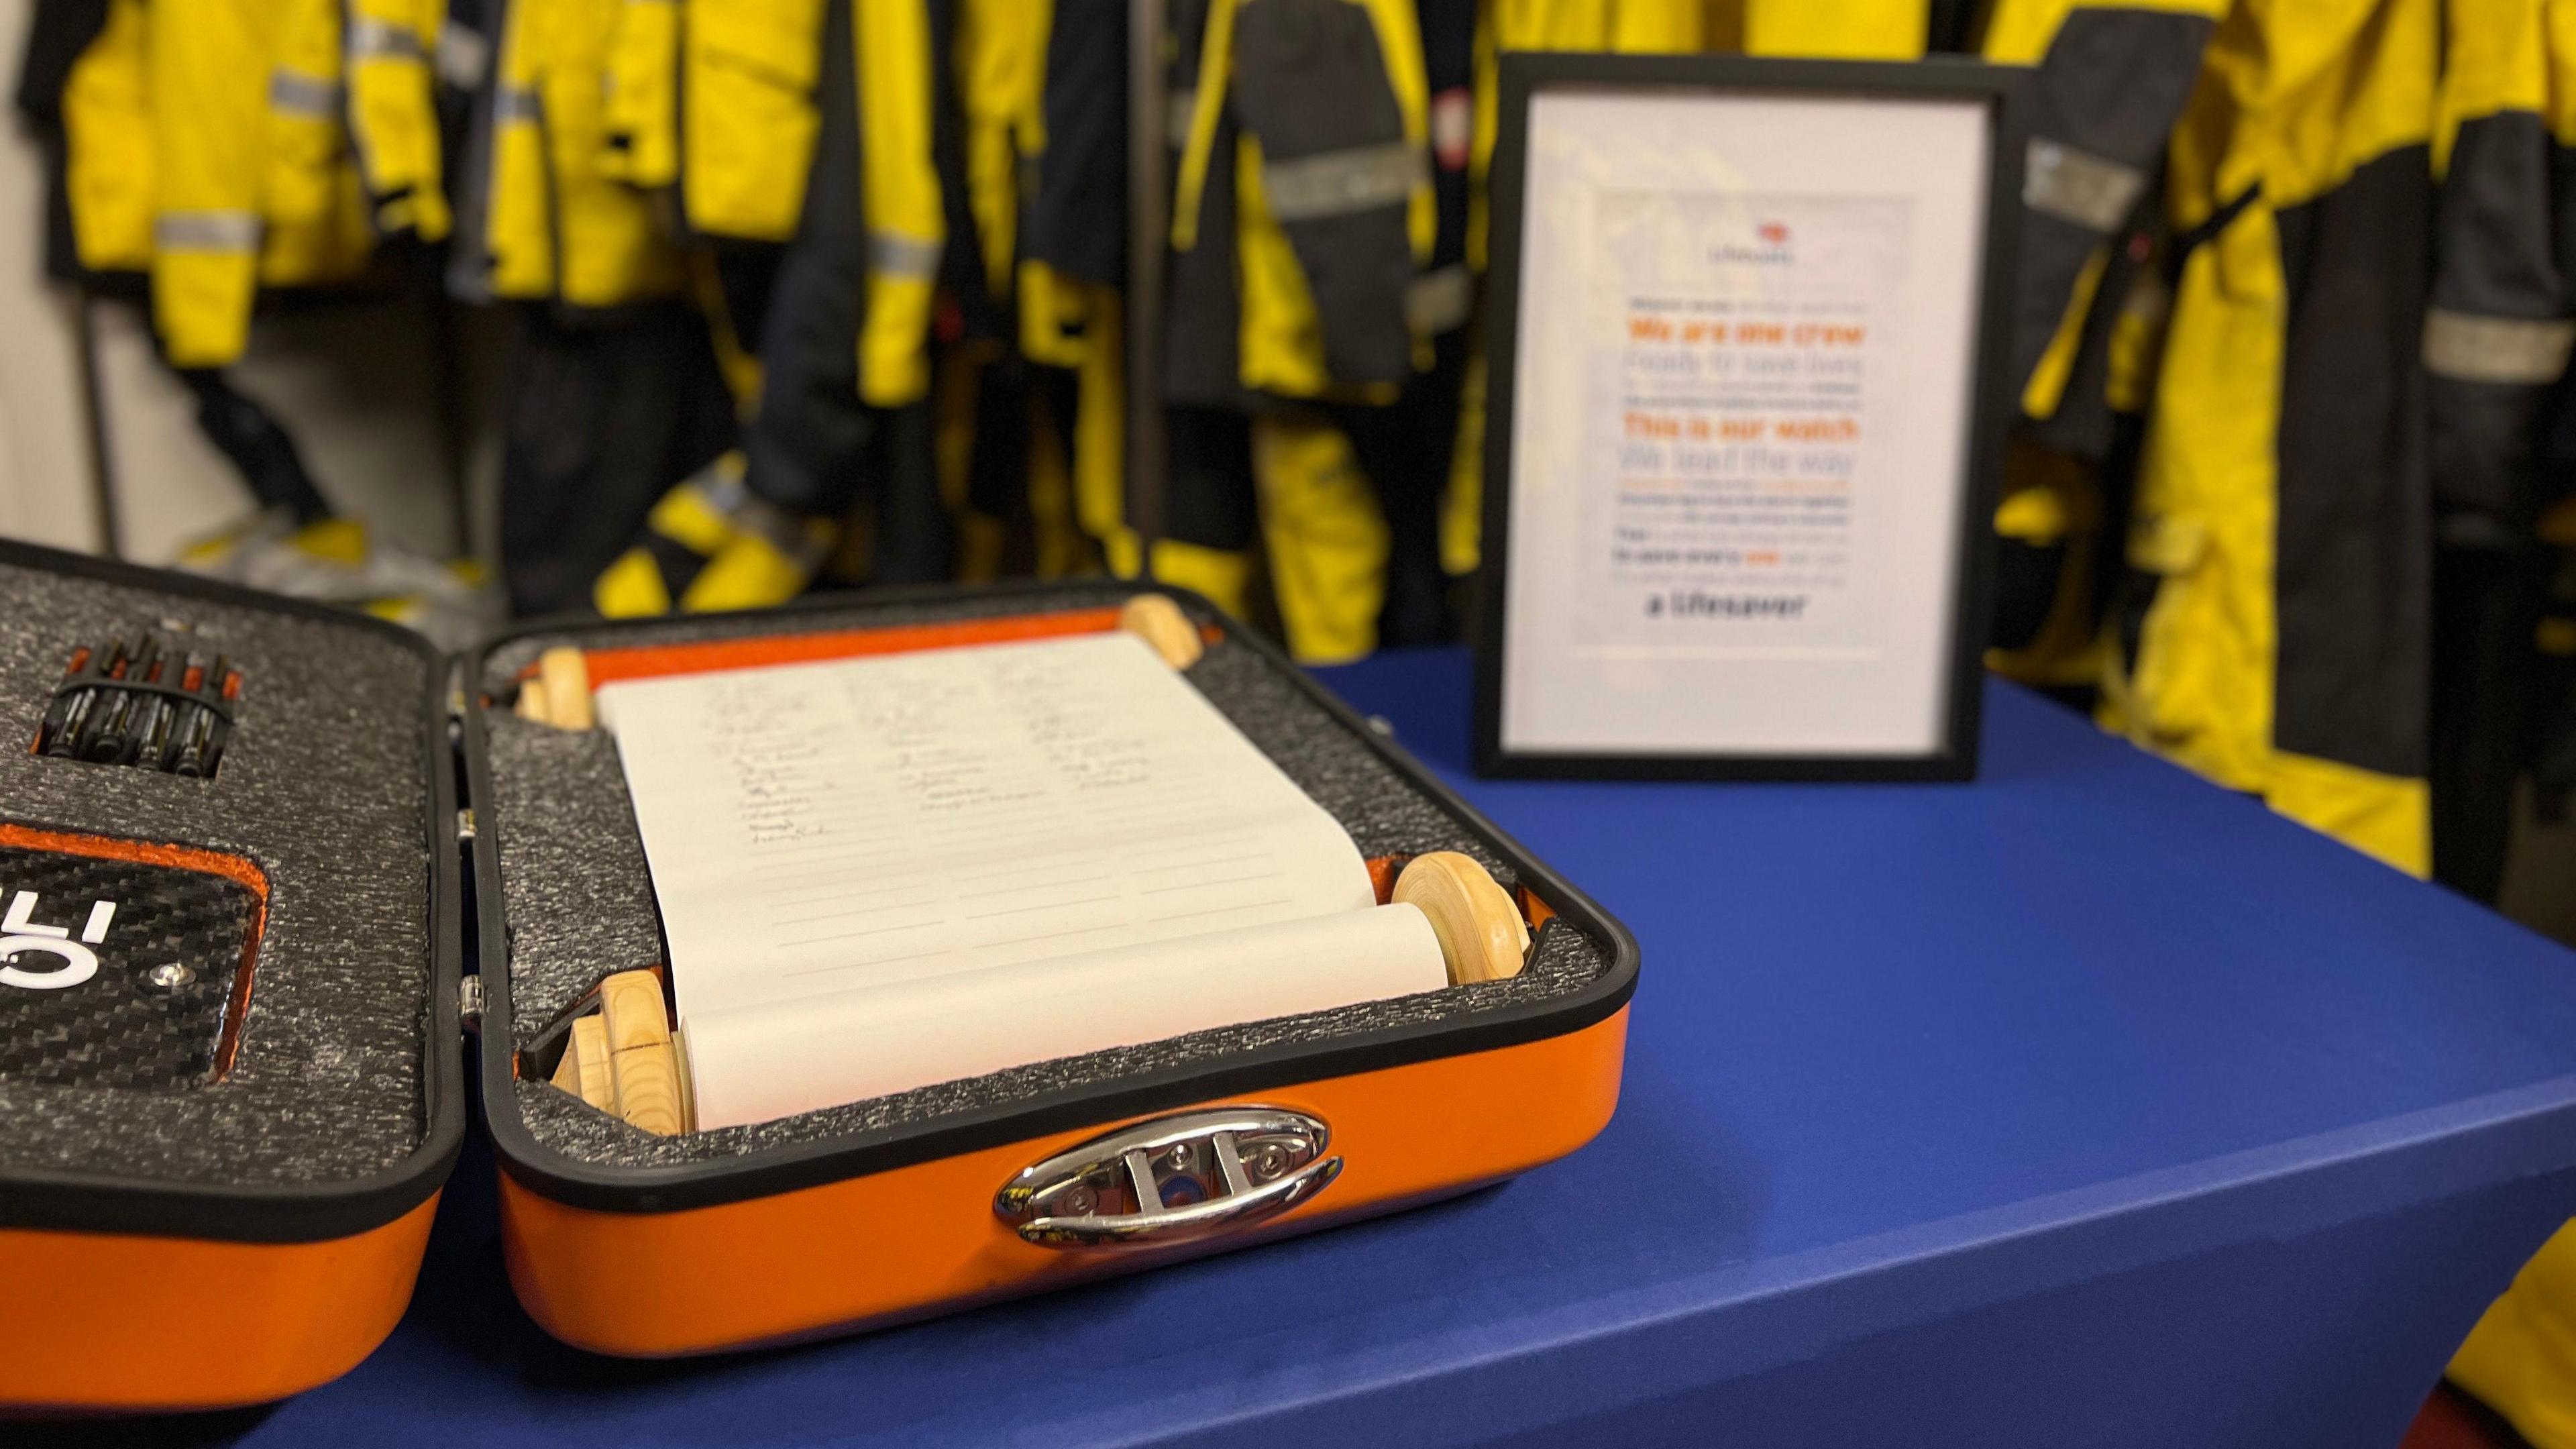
[(2112, 79), (393, 113), (2497, 332), (1334, 180), (899, 187), (609, 248), (108, 187), (519, 234), (210, 79)]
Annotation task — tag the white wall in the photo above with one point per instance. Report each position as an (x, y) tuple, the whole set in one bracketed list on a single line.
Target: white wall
[(44, 467), (356, 386)]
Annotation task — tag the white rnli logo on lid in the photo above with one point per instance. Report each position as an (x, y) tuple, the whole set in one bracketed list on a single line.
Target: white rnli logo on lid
[(26, 936)]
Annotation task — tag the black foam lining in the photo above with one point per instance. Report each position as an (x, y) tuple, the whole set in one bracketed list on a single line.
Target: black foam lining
[(578, 898), (325, 786)]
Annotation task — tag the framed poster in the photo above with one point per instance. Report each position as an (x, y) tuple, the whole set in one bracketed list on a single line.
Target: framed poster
[(1747, 399)]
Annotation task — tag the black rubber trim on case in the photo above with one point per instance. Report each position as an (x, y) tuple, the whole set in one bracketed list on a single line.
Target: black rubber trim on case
[(105, 1203), (809, 1164)]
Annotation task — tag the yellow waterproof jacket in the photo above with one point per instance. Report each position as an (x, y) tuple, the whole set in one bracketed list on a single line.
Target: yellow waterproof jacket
[(251, 179), (2283, 506), (108, 167), (845, 352), (2112, 77), (999, 60), (1004, 62), (393, 113), (1334, 208), (2520, 1359), (746, 114), (900, 195), (748, 141), (2499, 329), (640, 124), (556, 226), (1304, 168)]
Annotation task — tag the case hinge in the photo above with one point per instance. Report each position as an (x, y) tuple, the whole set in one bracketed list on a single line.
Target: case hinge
[(465, 825), (469, 1001)]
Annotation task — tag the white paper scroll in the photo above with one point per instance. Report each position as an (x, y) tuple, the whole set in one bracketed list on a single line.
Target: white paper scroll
[(883, 872), (769, 1061)]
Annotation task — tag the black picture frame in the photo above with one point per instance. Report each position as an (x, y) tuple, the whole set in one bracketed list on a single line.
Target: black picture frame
[(1522, 77)]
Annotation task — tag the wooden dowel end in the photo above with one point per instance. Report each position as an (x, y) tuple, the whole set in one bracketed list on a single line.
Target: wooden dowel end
[(1158, 621), (566, 678), (1481, 932), (642, 1065)]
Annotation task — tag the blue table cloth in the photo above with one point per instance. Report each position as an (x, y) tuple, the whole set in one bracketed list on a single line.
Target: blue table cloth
[(2086, 1104)]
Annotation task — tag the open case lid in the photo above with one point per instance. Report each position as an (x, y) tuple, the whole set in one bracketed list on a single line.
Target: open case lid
[(449, 720), (286, 1212)]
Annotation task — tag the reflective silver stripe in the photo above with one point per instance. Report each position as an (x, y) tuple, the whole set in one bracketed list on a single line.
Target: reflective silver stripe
[(2093, 192), (2468, 347), (750, 513), (303, 95), (1337, 183), (206, 231), (902, 256), (514, 103), (462, 55), (371, 37), (1179, 109), (1437, 301)]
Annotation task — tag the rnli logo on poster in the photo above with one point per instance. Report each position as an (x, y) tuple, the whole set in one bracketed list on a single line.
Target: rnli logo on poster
[(1768, 247)]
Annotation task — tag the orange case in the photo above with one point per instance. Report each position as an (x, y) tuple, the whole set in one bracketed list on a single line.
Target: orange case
[(126, 1294), (792, 1242)]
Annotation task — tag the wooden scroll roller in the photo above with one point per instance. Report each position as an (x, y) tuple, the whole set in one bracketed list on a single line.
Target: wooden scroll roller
[(623, 1060), (559, 691)]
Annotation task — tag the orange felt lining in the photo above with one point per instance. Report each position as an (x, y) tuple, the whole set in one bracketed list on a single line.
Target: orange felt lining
[(652, 661), (238, 869), (1383, 870)]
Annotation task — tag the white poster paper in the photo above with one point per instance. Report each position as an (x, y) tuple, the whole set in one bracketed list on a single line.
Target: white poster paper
[(1740, 422)]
